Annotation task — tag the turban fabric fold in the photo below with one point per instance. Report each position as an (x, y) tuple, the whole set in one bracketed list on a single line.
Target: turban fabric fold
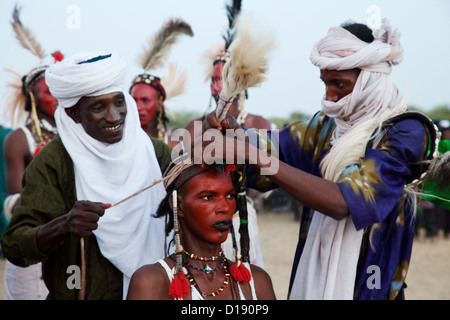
[(374, 90), (85, 74)]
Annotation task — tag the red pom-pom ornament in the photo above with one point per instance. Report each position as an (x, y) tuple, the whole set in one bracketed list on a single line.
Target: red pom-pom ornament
[(179, 287), (58, 56), (240, 273)]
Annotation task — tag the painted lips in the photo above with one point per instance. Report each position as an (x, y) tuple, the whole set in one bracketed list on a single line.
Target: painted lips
[(223, 225)]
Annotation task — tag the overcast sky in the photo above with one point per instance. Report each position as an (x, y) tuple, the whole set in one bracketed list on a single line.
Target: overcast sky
[(293, 83)]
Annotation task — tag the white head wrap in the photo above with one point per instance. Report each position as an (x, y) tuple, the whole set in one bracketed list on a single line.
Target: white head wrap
[(373, 91), (84, 78), (127, 234)]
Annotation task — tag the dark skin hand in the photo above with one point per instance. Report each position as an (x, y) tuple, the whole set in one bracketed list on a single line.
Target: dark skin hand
[(305, 187), (80, 221)]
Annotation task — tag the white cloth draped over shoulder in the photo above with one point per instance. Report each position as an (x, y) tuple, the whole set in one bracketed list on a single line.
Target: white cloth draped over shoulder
[(128, 235), (328, 264)]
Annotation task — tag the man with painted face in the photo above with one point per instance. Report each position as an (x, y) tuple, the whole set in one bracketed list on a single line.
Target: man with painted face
[(99, 157), (149, 91), (356, 165), (150, 95), (20, 147), (200, 204)]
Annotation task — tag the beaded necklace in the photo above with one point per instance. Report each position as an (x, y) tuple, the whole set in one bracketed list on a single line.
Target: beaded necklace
[(196, 257), (222, 265), (192, 281), (207, 269)]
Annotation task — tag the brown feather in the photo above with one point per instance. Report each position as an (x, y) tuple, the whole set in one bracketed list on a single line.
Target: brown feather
[(25, 37), (160, 44)]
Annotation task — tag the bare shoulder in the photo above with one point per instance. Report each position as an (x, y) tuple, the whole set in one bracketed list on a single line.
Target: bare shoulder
[(16, 140), (149, 282), (263, 283)]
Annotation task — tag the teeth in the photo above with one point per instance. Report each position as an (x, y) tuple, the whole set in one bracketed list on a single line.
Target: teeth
[(113, 128)]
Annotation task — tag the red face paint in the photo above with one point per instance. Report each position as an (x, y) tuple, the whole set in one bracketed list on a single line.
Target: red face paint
[(216, 80), (44, 100), (208, 206), (146, 99)]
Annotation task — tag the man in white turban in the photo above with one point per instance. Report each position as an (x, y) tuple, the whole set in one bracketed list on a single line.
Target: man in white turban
[(352, 166), (100, 157)]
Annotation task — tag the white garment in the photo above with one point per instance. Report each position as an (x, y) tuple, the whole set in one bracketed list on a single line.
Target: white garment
[(128, 235), (194, 292), (327, 267), (25, 283)]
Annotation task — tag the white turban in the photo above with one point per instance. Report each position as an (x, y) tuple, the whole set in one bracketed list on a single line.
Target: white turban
[(373, 91), (128, 235), (75, 77)]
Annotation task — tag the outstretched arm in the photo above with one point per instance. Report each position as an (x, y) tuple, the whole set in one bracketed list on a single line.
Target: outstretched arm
[(315, 192)]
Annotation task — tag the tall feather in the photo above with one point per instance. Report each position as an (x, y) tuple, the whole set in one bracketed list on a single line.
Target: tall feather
[(16, 100), (25, 37), (233, 11), (208, 58), (160, 44), (174, 82), (248, 63)]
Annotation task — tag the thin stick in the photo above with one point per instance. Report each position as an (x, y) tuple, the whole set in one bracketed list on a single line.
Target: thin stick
[(142, 190), (82, 292)]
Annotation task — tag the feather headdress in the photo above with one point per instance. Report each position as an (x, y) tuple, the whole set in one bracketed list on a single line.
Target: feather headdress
[(17, 100), (209, 57), (159, 46), (233, 11), (15, 103), (173, 81), (220, 52), (25, 37), (248, 63)]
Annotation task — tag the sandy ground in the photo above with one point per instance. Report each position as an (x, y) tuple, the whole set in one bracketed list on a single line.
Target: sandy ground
[(428, 277)]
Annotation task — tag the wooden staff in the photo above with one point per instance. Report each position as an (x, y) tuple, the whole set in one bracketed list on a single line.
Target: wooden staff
[(82, 292)]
